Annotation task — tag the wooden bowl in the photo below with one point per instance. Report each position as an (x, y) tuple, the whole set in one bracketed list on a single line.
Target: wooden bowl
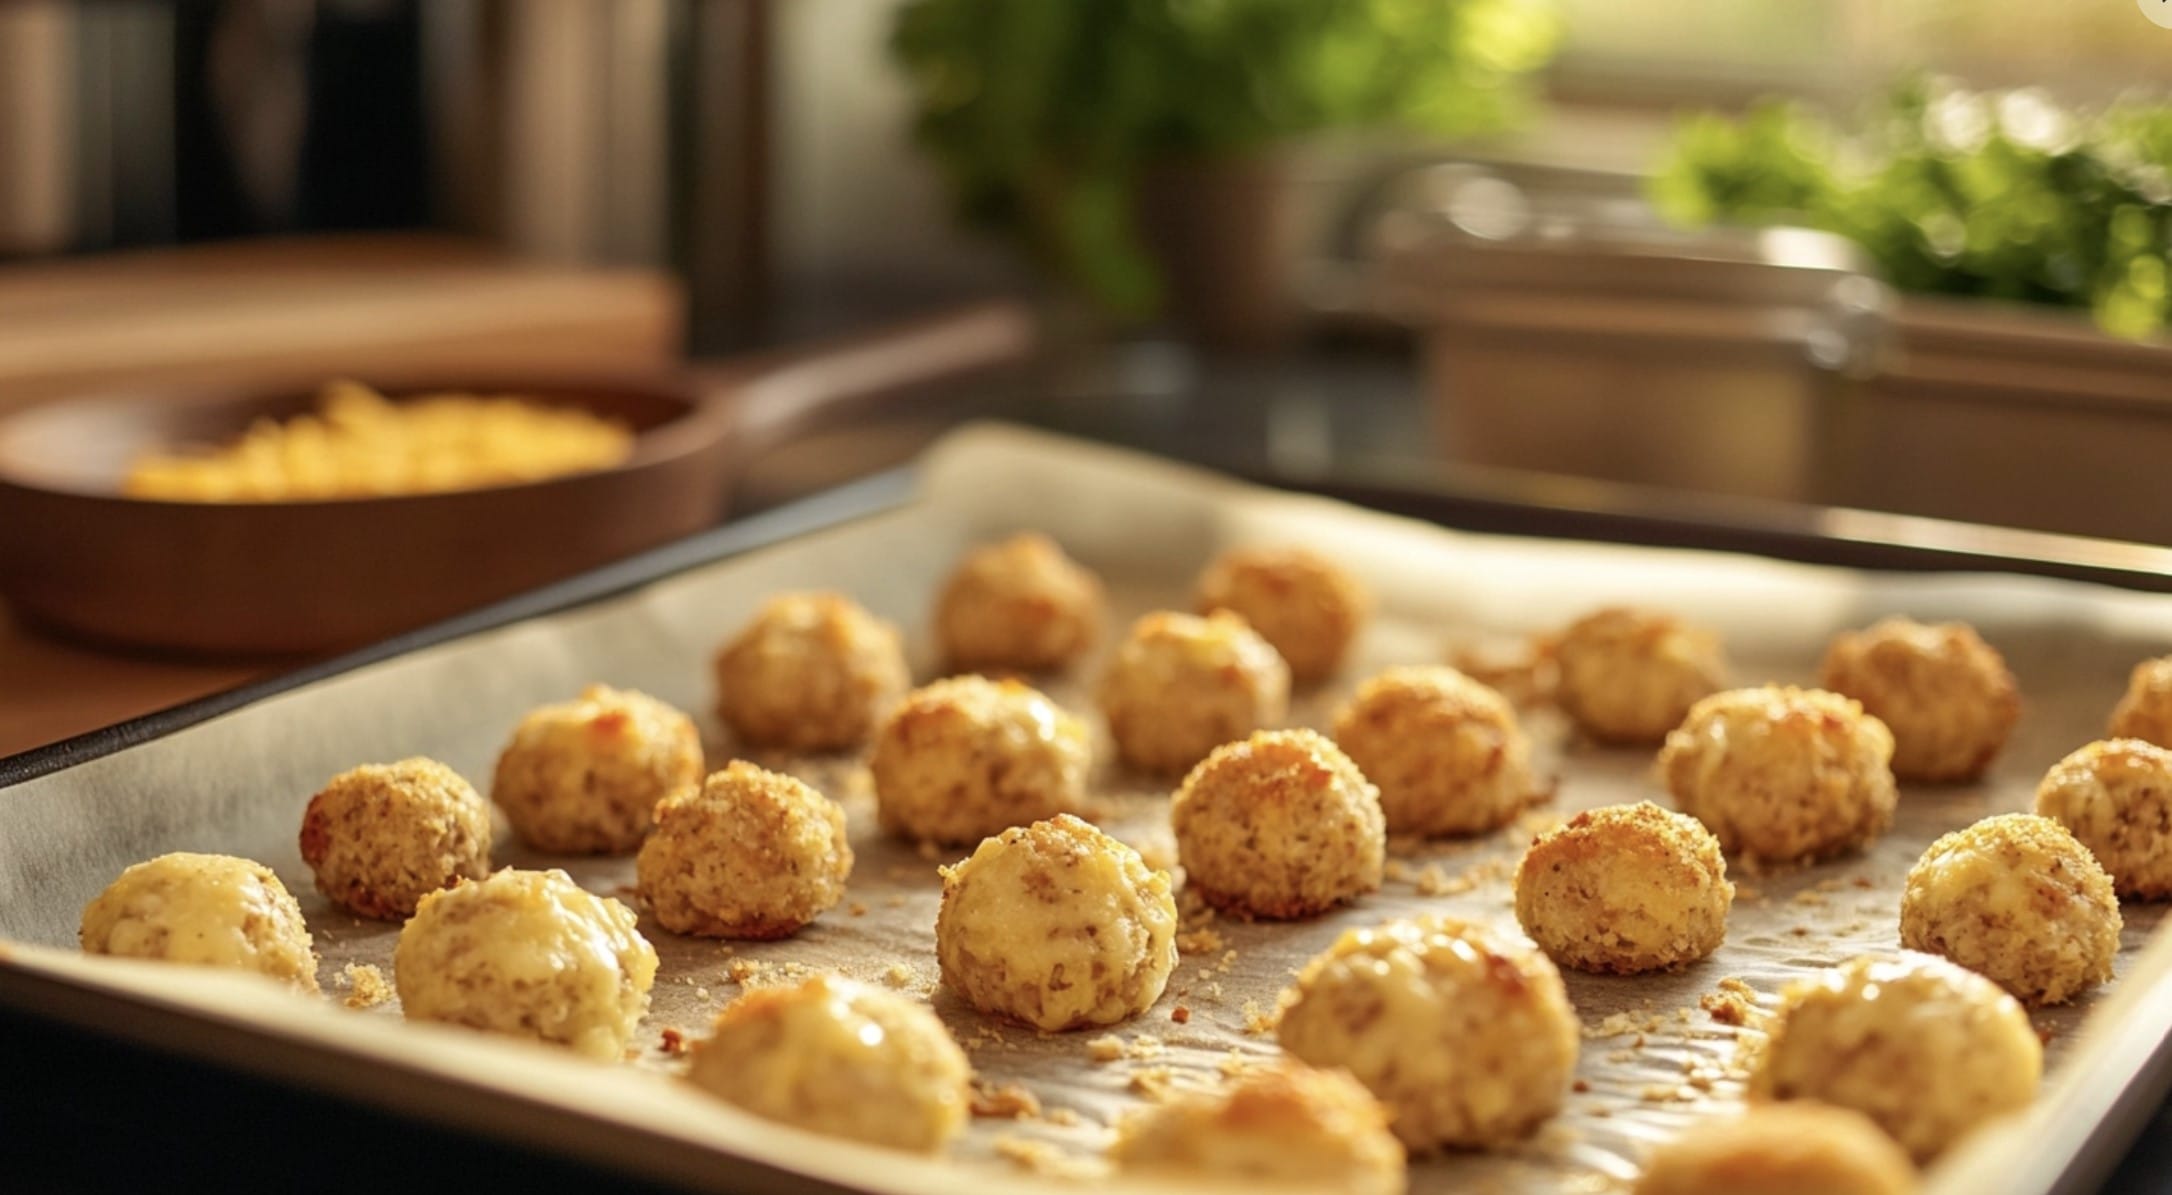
[(268, 578), (287, 578)]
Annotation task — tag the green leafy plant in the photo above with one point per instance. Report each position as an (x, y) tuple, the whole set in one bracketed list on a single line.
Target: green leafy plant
[(1996, 195), (1042, 113)]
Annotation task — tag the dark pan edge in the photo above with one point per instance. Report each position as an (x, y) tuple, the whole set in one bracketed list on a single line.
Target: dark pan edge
[(860, 499)]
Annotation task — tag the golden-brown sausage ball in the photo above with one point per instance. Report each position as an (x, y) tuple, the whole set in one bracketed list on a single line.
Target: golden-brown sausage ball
[(527, 954), (748, 854), (837, 1057), (1628, 675), (812, 672), (1780, 1149), (2018, 900), (205, 910), (968, 757), (2116, 797), (1944, 693), (2145, 711), (1625, 889), (1445, 751), (1280, 825), (1927, 1049), (1781, 774), (583, 777), (1056, 925), (1018, 604), (1465, 1035), (1307, 606), (1180, 686), (1283, 1126), (383, 836)]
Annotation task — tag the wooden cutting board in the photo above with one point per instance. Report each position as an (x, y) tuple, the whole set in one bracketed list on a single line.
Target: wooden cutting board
[(296, 311)]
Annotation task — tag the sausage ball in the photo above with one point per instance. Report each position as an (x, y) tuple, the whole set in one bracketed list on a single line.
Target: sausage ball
[(1056, 925), (1180, 686), (1018, 604), (1782, 774), (1923, 1047), (968, 757), (2116, 797), (583, 777), (1466, 1036), (1780, 1149), (527, 954), (2145, 712), (749, 854), (1307, 606), (206, 910), (1283, 1126), (1627, 675), (383, 836), (2018, 900), (837, 1057), (1944, 693), (812, 672), (1625, 889), (1445, 751), (1280, 825)]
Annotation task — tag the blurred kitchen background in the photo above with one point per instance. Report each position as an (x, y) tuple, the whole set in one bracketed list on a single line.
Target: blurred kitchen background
[(1908, 255)]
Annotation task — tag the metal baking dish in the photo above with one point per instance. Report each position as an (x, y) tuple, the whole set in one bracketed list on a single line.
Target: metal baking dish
[(225, 775)]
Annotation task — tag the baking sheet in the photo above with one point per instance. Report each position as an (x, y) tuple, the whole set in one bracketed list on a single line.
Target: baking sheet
[(1652, 1059)]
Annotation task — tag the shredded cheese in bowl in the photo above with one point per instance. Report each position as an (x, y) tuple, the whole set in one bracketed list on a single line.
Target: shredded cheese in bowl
[(358, 444)]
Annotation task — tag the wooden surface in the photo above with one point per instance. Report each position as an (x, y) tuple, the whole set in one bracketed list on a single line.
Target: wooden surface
[(50, 690)]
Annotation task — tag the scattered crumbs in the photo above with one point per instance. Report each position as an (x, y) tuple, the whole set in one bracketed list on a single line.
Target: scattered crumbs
[(1229, 960), (1580, 1087), (674, 1042), (1733, 1002), (1151, 1082), (1862, 881), (1800, 931), (1106, 1048), (1257, 1021), (1214, 992), (1066, 1117), (1602, 1113), (857, 909), (1232, 1064), (1038, 1156), (1181, 1015), (1618, 1057), (900, 975), (1432, 880), (1616, 1024), (747, 972), (1809, 897), (1396, 871), (1206, 975), (1145, 1045), (1662, 1093), (701, 993), (366, 986), (1008, 1102), (1200, 941)]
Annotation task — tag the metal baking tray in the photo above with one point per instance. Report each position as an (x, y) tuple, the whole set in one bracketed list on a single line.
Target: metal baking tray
[(231, 773)]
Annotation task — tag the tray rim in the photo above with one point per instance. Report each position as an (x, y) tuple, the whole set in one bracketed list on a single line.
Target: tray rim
[(1580, 511)]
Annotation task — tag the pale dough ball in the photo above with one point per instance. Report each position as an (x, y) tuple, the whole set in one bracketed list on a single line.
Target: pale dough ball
[(1285, 1125), (1056, 925), (2116, 797), (1628, 675), (2145, 712), (1180, 686), (527, 954), (837, 1057), (1944, 693), (1625, 889), (2018, 900), (1923, 1047), (1307, 606), (1782, 774), (1780, 1149), (1466, 1036), (812, 672), (383, 836), (1445, 751), (1018, 604), (583, 777), (967, 757), (749, 854), (207, 910), (1279, 825)]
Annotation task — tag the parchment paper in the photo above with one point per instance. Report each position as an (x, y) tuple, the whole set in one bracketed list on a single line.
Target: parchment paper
[(1652, 1060)]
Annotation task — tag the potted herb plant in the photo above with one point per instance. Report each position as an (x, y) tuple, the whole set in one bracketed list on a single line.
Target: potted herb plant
[(1134, 149)]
